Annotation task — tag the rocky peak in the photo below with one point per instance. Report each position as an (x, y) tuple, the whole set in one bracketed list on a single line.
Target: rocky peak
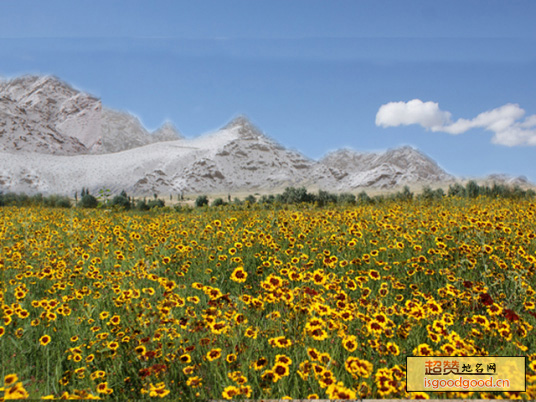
[(408, 157), (33, 89), (167, 132), (394, 166), (245, 128), (345, 159)]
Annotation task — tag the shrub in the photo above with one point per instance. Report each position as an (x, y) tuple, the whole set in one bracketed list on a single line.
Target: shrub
[(456, 190), (141, 205), (37, 199), (57, 201), (267, 199), (439, 193), (121, 201), (250, 199), (472, 189), (404, 195), (428, 194), (14, 199), (324, 198), (201, 201), (293, 195), (363, 198), (378, 199), (156, 204), (217, 202), (89, 201), (63, 202), (346, 198)]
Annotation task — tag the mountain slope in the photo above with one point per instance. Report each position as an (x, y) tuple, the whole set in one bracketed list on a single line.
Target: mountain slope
[(56, 139), (46, 115), (237, 157), (35, 112), (390, 168)]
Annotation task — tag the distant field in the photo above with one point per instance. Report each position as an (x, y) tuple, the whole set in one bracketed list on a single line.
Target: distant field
[(257, 303)]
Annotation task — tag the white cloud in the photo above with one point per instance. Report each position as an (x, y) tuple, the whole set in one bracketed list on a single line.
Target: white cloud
[(503, 121), (427, 114)]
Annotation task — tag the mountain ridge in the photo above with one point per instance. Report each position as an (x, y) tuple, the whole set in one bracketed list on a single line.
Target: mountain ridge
[(40, 113), (56, 139), (226, 160)]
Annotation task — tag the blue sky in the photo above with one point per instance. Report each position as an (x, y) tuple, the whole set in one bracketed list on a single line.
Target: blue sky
[(313, 75)]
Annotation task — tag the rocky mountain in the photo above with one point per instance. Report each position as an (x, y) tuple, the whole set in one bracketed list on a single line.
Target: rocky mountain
[(121, 131), (386, 169), (44, 114), (237, 157), (56, 139), (38, 113), (500, 178), (166, 132)]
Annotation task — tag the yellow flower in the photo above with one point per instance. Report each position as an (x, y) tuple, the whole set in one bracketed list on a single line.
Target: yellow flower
[(185, 358), (280, 370), (260, 363), (10, 379), (423, 350), (102, 388), (339, 391), (350, 343), (113, 345), (44, 340), (280, 342), (16, 392), (230, 392), (194, 382), (214, 354), (158, 390), (239, 275), (393, 348), (115, 320), (283, 359), (358, 367), (419, 395)]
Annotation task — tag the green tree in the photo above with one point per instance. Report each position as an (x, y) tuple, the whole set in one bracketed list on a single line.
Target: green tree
[(201, 201), (156, 204), (472, 189), (121, 201), (217, 202), (141, 205), (456, 190), (346, 198), (324, 198), (89, 201), (293, 195), (250, 199), (363, 198)]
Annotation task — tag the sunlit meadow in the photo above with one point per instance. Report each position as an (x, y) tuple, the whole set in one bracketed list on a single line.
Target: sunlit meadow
[(303, 302)]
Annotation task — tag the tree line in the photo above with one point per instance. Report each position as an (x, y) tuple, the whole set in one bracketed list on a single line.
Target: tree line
[(85, 200), (291, 195)]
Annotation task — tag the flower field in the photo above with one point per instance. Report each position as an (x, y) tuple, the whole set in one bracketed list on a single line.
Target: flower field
[(302, 302)]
